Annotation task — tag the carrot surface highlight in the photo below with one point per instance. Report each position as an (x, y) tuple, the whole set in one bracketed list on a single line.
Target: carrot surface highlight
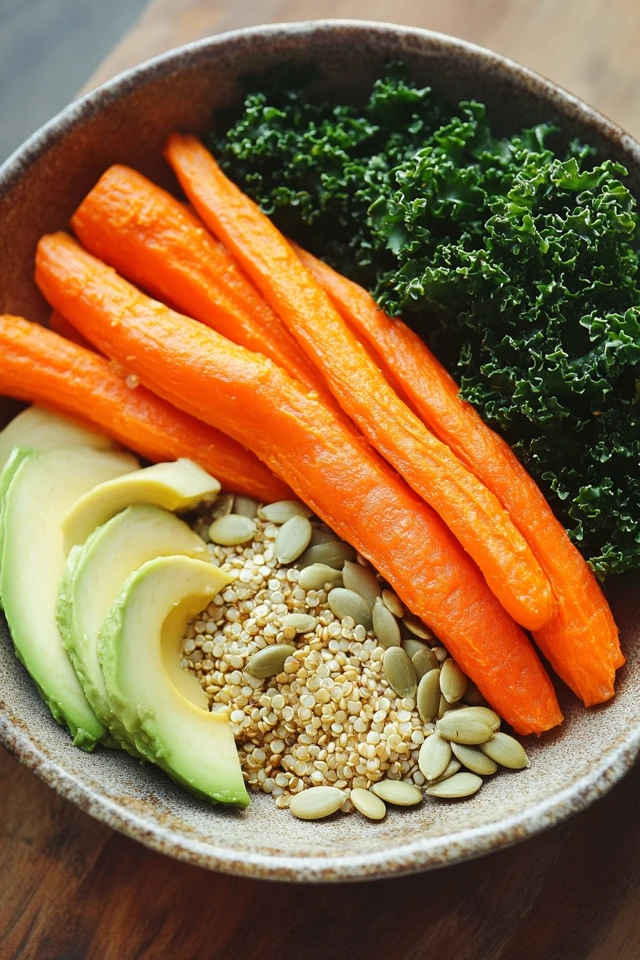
[(325, 460), (469, 509), (581, 642), (39, 366), (153, 240)]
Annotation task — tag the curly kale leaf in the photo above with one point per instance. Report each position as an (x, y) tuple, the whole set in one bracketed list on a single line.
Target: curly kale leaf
[(520, 251)]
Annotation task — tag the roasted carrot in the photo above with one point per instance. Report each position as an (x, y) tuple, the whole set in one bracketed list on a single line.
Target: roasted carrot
[(326, 461), (153, 240), (58, 324), (581, 642), (39, 366), (469, 509)]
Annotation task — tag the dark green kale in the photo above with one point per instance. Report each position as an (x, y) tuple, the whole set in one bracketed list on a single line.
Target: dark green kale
[(520, 249)]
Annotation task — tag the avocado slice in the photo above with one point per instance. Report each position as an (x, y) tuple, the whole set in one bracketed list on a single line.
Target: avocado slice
[(16, 457), (40, 429), (179, 485), (94, 575), (41, 491), (142, 630)]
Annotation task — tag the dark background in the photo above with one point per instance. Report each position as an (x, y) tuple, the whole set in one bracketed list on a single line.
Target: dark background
[(48, 50)]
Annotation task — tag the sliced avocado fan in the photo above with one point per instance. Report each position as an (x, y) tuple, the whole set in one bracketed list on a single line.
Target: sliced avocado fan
[(94, 575), (142, 632), (42, 488), (40, 429)]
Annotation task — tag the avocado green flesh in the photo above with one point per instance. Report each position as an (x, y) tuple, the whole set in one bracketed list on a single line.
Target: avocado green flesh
[(40, 429), (93, 577), (195, 747), (41, 491), (16, 457), (177, 485)]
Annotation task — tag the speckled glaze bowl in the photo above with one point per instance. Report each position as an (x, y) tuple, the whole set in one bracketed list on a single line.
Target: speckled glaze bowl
[(127, 121)]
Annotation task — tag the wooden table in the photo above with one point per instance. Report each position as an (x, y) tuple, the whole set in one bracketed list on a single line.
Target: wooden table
[(71, 889)]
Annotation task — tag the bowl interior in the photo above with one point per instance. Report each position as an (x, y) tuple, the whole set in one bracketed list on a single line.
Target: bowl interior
[(127, 122)]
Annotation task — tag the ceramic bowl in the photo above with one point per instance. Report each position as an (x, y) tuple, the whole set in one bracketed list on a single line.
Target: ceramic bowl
[(127, 121)]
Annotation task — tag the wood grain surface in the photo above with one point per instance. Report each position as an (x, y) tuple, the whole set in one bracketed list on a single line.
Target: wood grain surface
[(71, 889)]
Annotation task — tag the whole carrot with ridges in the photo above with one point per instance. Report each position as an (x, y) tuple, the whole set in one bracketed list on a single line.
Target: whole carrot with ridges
[(581, 642), (469, 509), (326, 461), (39, 366)]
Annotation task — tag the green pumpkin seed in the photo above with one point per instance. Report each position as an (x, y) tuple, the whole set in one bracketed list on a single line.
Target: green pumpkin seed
[(314, 803), (474, 759), (428, 696), (269, 661), (367, 803), (293, 539), (246, 507), (485, 713), (333, 553), (222, 505), (321, 534), (434, 757), (361, 580), (345, 603), (462, 728), (397, 792), (301, 622), (385, 625), (399, 672), (452, 767), (473, 697), (232, 529), (282, 510), (411, 646), (394, 603), (443, 706), (415, 626), (506, 751), (423, 661), (459, 785), (316, 576), (453, 682)]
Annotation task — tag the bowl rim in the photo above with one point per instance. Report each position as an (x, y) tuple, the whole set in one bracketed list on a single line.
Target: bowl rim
[(423, 852)]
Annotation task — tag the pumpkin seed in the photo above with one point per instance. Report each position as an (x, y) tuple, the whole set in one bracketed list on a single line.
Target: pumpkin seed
[(423, 661), (506, 751), (443, 706), (317, 575), (232, 529), (415, 626), (269, 661), (367, 803), (474, 759), (361, 580), (345, 603), (398, 792), (385, 625), (473, 697), (462, 728), (246, 506), (283, 510), (428, 696), (411, 646), (293, 539), (441, 654), (301, 622), (321, 534), (459, 785), (434, 757), (485, 713), (394, 603), (452, 767), (333, 553), (453, 682), (222, 505), (398, 670), (314, 803)]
